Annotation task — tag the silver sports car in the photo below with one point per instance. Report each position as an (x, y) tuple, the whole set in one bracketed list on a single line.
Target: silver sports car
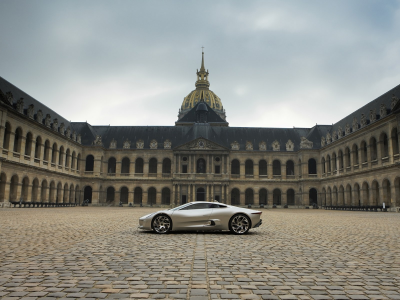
[(202, 216)]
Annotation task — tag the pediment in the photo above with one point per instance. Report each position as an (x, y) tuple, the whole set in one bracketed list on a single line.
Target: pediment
[(200, 144)]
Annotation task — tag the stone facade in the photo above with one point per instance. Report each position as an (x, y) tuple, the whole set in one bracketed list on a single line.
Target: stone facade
[(41, 162)]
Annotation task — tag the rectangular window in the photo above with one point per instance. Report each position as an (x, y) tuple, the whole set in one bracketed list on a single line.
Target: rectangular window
[(184, 168), (217, 169)]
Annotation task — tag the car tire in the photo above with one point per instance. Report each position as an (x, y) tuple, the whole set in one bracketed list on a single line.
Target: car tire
[(239, 224), (161, 224)]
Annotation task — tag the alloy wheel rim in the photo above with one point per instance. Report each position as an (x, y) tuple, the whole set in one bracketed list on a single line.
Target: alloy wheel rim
[(161, 224), (240, 224)]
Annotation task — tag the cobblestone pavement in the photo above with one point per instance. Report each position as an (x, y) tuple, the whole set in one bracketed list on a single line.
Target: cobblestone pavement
[(97, 253)]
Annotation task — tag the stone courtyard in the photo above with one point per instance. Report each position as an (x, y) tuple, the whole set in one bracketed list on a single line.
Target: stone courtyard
[(97, 253)]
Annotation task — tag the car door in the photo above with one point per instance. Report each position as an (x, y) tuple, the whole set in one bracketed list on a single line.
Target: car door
[(193, 216)]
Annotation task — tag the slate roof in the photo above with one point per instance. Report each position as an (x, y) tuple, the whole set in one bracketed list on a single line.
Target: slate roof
[(386, 99), (191, 117), (222, 135), (6, 86), (179, 135)]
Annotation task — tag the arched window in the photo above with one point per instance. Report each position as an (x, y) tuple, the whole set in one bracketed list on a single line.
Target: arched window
[(110, 194), (38, 147), (13, 188), (28, 144), (364, 152), (277, 197), (373, 147), (263, 167), (124, 194), (112, 165), (235, 197), (290, 168), (78, 162), (249, 197), (89, 163), (61, 156), (348, 157), (201, 165), (139, 165), (249, 167), (313, 196), (43, 192), (276, 167), (151, 196), (54, 154), (334, 161), (17, 140), (25, 188), (153, 166), (3, 181), (340, 157), (395, 141), (87, 194), (263, 197), (355, 154), (46, 152), (166, 196), (166, 168), (67, 158), (125, 167), (290, 196), (137, 195), (7, 134), (328, 160), (384, 145), (235, 167), (73, 160)]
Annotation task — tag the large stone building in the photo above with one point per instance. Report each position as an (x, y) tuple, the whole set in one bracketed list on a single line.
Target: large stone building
[(46, 158)]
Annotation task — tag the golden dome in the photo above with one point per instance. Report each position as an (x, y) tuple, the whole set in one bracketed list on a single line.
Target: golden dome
[(195, 96), (202, 91)]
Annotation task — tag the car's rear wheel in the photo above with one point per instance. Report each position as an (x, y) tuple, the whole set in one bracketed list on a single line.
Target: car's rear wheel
[(161, 224), (239, 224)]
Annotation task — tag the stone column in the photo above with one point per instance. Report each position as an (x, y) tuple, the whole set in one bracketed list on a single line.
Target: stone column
[(11, 143), (257, 197), (174, 165), (212, 192), (283, 198), (22, 145), (242, 170), (390, 146), (144, 197), (256, 169), (354, 201), (158, 196), (118, 168), (132, 167), (194, 193), (146, 168), (159, 169), (179, 158), (227, 165), (130, 197), (33, 146)]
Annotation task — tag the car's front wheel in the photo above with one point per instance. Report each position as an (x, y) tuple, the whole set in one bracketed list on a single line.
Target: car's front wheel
[(239, 224), (161, 224)]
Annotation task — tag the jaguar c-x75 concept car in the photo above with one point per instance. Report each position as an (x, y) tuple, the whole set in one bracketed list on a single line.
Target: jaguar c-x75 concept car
[(202, 216)]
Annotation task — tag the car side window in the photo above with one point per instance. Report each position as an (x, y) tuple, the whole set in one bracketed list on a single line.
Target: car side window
[(197, 206)]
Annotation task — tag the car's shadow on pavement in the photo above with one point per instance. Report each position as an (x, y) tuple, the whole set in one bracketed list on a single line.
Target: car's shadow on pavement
[(198, 232)]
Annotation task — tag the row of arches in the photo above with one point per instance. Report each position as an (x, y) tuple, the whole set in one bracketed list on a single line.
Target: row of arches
[(39, 150), (276, 167), (123, 197), (126, 165), (363, 153), (37, 191), (266, 197), (363, 194)]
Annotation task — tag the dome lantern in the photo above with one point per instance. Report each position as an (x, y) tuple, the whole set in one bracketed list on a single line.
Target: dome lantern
[(202, 91)]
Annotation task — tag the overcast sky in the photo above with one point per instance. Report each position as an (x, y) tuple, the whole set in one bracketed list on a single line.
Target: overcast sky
[(272, 63)]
